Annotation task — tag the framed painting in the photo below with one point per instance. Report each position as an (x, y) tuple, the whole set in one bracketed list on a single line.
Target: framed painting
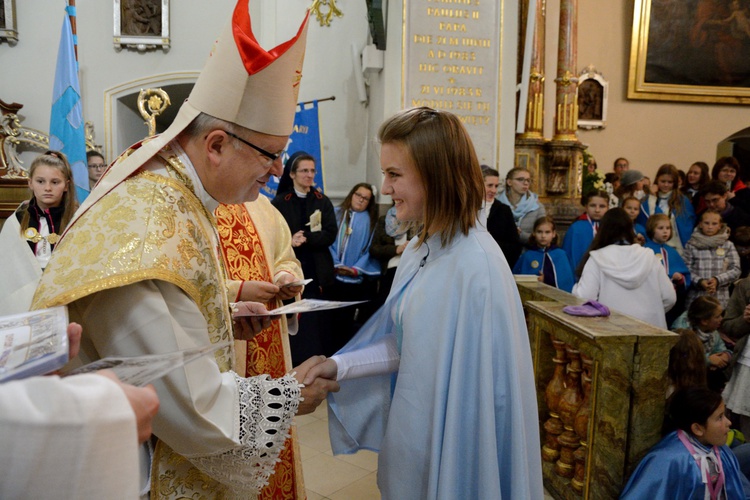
[(593, 96), (8, 29), (690, 50), (141, 24)]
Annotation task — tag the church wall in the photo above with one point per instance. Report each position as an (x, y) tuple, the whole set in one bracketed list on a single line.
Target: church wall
[(648, 133), (27, 69)]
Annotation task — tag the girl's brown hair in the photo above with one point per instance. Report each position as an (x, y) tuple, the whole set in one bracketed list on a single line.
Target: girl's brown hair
[(512, 173), (687, 361), (444, 157), (676, 198), (654, 221), (594, 193), (372, 206), (545, 219), (702, 181), (616, 226), (59, 161), (701, 309)]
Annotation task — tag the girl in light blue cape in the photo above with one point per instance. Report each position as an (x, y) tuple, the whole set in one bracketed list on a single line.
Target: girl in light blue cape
[(440, 380), (524, 204), (356, 217)]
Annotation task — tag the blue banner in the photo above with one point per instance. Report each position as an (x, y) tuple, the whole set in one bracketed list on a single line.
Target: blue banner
[(305, 137), (66, 127)]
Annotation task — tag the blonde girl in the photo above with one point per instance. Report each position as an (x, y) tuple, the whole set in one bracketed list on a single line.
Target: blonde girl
[(632, 206), (31, 233), (712, 259), (670, 201)]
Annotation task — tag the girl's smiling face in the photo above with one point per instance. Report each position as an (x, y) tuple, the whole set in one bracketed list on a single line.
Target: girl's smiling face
[(726, 174), (693, 176), (491, 186), (402, 182)]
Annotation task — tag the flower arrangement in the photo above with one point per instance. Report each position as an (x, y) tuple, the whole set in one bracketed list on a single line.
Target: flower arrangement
[(593, 181)]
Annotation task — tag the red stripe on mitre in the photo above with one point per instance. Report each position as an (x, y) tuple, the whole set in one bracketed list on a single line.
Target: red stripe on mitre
[(253, 56)]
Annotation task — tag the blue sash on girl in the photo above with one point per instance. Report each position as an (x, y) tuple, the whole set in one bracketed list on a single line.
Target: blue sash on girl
[(352, 246)]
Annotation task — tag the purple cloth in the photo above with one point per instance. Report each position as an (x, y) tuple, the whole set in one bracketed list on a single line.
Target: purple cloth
[(590, 308)]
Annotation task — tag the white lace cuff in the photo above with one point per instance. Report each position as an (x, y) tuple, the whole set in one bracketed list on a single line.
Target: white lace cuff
[(266, 407)]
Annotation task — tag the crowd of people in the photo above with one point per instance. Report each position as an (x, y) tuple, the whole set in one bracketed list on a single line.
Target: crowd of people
[(177, 241), (174, 249), (672, 255)]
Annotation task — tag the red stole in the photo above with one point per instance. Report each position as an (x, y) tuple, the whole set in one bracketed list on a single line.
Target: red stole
[(246, 260)]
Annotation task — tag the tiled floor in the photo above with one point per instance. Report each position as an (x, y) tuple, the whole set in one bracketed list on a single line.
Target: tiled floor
[(344, 477)]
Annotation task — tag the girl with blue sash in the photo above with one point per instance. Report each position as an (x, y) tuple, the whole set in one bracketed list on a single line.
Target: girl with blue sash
[(659, 232), (581, 233), (356, 270), (440, 379), (693, 461), (545, 259), (670, 201)]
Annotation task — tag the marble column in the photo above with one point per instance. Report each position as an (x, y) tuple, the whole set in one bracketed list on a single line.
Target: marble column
[(566, 103), (533, 128)]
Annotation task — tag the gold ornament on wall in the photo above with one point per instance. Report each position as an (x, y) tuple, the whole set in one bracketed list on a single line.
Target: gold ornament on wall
[(325, 10)]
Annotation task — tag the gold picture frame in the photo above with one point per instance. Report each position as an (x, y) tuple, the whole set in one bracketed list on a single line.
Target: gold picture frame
[(8, 27), (141, 25), (690, 52)]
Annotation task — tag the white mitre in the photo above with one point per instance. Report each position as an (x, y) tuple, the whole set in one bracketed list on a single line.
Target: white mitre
[(241, 83)]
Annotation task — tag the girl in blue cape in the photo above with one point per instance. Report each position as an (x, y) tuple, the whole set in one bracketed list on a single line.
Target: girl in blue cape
[(632, 206), (356, 270), (659, 232), (356, 217), (693, 462), (544, 258), (440, 379), (670, 201), (581, 233)]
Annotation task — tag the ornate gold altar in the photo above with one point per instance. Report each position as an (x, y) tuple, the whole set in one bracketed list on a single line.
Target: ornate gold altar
[(601, 384), (556, 165)]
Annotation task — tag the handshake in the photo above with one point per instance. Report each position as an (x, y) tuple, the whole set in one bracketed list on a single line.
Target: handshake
[(318, 376)]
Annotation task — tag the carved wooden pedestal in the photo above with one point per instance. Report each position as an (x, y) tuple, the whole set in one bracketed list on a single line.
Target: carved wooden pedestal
[(626, 395)]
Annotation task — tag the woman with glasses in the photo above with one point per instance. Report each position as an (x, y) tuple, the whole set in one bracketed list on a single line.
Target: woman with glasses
[(440, 379), (500, 221), (97, 166), (312, 221), (525, 205), (356, 270), (31, 233)]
